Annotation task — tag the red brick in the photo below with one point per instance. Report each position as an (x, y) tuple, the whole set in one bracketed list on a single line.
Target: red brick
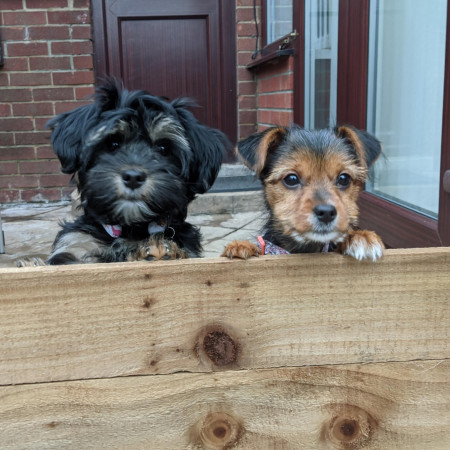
[(50, 63), (11, 4), (39, 167), (81, 77), (33, 109), (4, 79), (72, 48), (246, 130), (45, 152), (57, 17), (83, 62), (28, 49), (16, 95), (81, 32), (15, 64), (247, 102), (49, 33), (84, 93), (245, 75), (14, 124), (247, 116), (8, 168), (240, 3), (44, 4), (24, 18), (246, 44), (13, 33), (6, 139), (5, 109), (245, 14), (278, 100), (16, 153), (246, 29), (30, 79), (41, 122), (58, 180), (19, 181), (68, 106), (52, 93), (9, 196), (33, 138), (247, 87), (81, 3), (244, 58), (41, 195)]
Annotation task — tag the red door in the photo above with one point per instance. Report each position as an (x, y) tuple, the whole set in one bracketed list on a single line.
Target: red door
[(172, 48)]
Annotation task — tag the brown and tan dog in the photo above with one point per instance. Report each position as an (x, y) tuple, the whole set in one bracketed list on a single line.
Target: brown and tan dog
[(311, 181)]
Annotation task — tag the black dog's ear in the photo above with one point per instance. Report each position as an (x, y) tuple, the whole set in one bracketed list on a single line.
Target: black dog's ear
[(255, 149), (68, 131), (208, 147), (367, 147)]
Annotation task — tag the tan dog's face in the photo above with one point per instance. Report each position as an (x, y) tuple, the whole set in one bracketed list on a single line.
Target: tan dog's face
[(311, 179), (313, 195)]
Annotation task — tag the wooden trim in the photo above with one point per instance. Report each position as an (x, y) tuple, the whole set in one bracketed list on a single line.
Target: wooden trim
[(352, 62), (397, 226), (299, 62), (444, 197), (279, 352), (99, 36)]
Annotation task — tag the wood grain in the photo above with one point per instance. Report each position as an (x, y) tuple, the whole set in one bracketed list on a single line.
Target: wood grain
[(373, 406), (101, 321)]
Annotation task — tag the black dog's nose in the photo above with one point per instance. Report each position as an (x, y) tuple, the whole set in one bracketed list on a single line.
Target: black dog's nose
[(133, 179), (325, 213)]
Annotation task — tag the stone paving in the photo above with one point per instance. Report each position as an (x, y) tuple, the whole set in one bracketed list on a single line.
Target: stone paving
[(29, 229)]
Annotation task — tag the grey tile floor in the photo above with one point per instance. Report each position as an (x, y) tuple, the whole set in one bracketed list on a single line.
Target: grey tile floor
[(29, 229)]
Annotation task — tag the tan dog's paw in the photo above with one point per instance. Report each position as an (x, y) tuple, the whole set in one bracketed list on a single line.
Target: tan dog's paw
[(158, 249), (363, 245), (240, 249), (32, 261)]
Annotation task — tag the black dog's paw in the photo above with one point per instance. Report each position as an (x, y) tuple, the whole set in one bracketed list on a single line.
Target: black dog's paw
[(32, 261), (156, 249)]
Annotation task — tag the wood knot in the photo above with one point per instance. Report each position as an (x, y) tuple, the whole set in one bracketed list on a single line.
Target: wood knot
[(215, 346), (350, 427), (218, 430)]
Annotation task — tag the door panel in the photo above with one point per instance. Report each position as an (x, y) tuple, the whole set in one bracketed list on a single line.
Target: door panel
[(172, 48)]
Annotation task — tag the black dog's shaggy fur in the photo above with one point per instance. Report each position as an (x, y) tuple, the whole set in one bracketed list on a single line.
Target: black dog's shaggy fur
[(138, 161)]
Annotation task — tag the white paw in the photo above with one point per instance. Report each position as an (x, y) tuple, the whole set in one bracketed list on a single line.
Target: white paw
[(361, 249)]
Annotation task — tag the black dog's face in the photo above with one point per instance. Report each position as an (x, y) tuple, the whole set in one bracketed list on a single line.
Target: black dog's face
[(136, 157)]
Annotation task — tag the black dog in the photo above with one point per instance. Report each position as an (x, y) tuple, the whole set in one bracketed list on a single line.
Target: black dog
[(138, 161)]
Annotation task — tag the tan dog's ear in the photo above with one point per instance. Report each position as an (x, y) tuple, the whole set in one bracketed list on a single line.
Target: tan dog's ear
[(367, 147), (254, 149)]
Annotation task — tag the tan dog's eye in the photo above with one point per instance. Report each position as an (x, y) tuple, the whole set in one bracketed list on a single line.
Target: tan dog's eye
[(343, 180), (291, 181)]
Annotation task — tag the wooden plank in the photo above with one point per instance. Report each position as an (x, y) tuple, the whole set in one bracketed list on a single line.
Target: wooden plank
[(96, 321), (371, 406)]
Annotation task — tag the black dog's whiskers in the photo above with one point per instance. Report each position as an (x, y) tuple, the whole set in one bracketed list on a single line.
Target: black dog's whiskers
[(138, 161)]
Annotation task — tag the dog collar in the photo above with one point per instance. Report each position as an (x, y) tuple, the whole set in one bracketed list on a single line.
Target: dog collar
[(268, 248), (153, 227)]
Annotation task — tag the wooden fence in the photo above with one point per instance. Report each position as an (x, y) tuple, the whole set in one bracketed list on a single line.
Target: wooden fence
[(287, 352)]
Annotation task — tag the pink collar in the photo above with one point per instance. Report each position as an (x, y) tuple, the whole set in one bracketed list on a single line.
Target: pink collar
[(115, 231)]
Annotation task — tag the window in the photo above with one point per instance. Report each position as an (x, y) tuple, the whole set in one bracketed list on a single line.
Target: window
[(278, 15)]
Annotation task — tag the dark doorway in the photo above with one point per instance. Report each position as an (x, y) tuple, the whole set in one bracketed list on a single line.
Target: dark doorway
[(172, 48)]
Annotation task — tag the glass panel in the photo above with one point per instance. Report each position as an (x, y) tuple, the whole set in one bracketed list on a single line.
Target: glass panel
[(279, 19), (321, 37), (405, 99)]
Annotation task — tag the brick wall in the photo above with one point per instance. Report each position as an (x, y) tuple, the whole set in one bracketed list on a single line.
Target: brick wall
[(265, 93), (48, 69)]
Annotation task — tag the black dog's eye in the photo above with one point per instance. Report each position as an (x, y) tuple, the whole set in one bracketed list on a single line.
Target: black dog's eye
[(291, 181), (343, 180), (113, 143), (163, 145)]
